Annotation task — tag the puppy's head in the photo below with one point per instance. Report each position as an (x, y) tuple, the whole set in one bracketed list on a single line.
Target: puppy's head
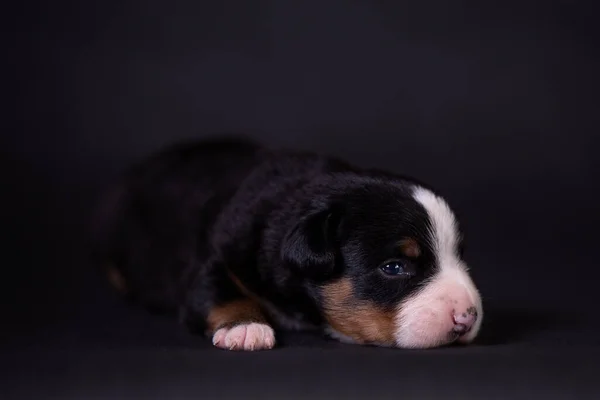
[(385, 262)]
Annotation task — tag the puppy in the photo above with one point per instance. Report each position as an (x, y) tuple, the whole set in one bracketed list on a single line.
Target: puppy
[(241, 240)]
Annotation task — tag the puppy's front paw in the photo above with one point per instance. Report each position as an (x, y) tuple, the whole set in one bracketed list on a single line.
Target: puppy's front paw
[(249, 337)]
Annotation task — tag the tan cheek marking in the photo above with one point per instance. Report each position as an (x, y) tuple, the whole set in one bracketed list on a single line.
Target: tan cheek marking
[(116, 279), (410, 248), (362, 320), (233, 313)]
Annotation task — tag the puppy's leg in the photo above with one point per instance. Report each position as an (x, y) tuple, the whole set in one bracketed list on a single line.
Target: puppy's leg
[(240, 325), (226, 312)]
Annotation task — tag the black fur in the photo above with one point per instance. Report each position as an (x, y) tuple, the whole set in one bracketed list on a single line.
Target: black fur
[(283, 223)]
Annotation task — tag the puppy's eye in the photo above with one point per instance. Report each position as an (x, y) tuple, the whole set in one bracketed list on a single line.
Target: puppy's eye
[(396, 268)]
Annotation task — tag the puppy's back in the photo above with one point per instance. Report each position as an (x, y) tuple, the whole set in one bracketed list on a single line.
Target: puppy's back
[(176, 198), (168, 185)]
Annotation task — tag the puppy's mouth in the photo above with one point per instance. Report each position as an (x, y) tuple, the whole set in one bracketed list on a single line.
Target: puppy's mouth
[(461, 330), (454, 337)]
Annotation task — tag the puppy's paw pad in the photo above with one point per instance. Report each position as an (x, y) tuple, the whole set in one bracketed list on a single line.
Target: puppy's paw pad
[(248, 337)]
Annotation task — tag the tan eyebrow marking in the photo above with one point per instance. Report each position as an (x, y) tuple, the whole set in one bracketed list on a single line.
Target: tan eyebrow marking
[(410, 248)]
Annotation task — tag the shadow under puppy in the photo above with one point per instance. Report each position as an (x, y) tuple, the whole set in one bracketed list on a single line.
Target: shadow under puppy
[(241, 240)]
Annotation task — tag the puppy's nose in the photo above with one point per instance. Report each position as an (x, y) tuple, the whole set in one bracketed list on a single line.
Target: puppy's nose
[(465, 320)]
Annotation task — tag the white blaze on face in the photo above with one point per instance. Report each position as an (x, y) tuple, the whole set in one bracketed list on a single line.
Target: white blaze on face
[(426, 318)]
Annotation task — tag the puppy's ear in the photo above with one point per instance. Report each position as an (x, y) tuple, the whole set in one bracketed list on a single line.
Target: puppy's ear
[(310, 247)]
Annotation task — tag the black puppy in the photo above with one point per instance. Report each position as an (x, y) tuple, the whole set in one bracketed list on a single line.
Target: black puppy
[(240, 240)]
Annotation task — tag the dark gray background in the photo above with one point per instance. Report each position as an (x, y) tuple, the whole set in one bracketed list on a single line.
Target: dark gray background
[(494, 103)]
